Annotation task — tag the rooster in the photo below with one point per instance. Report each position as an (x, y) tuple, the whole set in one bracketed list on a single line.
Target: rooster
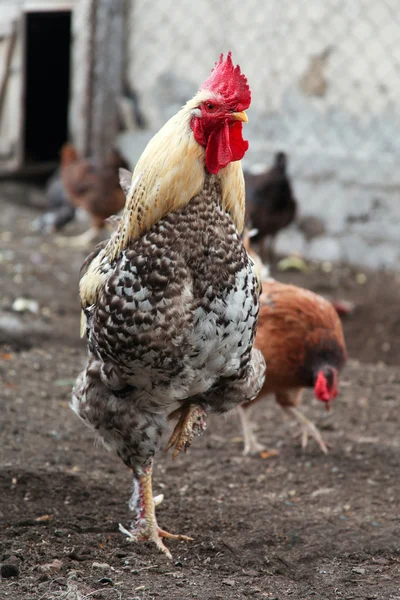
[(170, 302), (270, 203), (301, 338)]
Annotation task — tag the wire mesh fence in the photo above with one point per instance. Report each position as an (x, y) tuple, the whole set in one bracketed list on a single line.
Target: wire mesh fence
[(324, 75), (325, 80)]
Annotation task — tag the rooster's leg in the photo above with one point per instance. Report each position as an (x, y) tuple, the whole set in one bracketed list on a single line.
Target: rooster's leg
[(251, 445), (307, 428), (145, 527), (192, 422)]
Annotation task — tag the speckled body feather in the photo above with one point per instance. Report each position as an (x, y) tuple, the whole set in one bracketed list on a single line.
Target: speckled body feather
[(168, 175), (170, 302), (175, 321)]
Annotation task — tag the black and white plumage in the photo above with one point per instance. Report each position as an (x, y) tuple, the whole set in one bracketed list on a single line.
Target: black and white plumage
[(176, 319), (176, 322), (170, 302)]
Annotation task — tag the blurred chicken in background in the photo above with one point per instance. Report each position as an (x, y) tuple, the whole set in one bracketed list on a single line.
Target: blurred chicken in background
[(301, 338), (314, 81), (270, 203), (59, 212), (79, 183)]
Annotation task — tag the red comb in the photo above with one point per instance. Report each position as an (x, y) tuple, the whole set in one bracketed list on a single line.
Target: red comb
[(227, 80)]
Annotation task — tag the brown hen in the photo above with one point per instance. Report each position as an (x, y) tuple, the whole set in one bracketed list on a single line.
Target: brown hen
[(301, 338), (96, 190)]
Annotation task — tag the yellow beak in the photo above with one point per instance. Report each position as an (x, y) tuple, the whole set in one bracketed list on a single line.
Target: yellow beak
[(240, 116)]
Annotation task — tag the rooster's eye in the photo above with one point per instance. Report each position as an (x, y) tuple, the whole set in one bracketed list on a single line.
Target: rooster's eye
[(210, 107)]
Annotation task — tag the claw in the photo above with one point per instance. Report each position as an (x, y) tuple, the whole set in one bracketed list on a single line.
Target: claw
[(174, 536), (308, 429), (155, 536), (158, 499), (251, 445), (145, 528)]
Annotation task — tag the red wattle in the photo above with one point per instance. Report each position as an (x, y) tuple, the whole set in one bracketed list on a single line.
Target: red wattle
[(218, 150), (321, 389), (223, 145), (239, 146)]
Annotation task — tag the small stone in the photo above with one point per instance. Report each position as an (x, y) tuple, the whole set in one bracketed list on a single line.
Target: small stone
[(251, 573), (25, 305), (359, 571), (99, 565), (61, 533), (52, 567), (230, 582), (10, 568), (83, 554)]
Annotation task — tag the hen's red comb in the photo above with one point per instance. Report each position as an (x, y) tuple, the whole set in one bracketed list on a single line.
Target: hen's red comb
[(227, 80)]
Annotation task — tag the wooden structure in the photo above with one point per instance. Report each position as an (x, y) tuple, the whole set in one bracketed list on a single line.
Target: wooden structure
[(60, 77)]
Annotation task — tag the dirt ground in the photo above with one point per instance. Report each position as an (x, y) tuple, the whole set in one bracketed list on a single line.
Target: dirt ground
[(294, 525)]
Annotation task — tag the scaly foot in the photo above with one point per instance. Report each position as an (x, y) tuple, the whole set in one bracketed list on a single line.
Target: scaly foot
[(307, 429), (153, 534), (145, 527), (192, 422), (251, 445)]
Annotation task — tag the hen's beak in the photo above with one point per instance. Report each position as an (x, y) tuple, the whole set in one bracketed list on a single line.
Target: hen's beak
[(240, 116)]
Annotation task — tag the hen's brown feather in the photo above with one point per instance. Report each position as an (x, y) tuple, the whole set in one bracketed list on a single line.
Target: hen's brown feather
[(93, 188), (296, 331)]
